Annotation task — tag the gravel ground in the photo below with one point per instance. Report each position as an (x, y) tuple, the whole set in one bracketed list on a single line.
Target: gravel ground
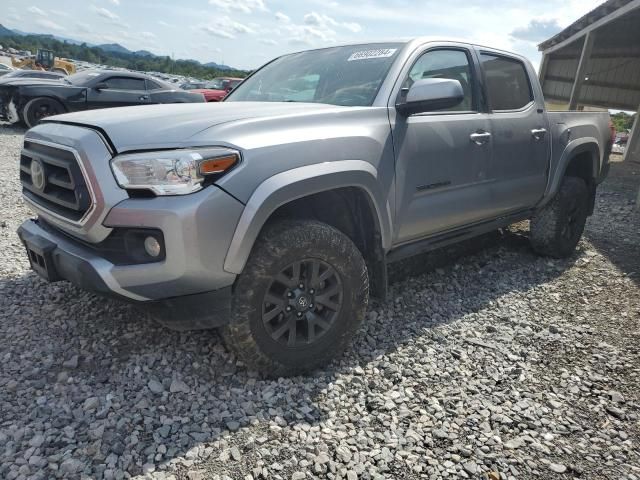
[(486, 362)]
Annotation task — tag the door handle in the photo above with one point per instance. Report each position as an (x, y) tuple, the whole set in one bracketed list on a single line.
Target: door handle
[(144, 97), (480, 138), (539, 133)]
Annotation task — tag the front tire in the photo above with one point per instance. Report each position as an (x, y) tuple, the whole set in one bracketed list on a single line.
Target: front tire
[(38, 108), (557, 227), (300, 299)]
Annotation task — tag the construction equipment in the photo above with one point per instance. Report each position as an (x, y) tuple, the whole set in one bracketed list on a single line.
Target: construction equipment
[(45, 60)]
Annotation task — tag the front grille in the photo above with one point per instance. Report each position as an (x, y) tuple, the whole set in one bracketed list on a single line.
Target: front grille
[(56, 183)]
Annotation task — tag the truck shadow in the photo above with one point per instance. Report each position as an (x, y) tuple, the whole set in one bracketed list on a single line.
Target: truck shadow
[(81, 346)]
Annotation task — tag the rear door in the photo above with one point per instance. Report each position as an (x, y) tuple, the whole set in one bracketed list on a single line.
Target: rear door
[(443, 157), (521, 141), (120, 91)]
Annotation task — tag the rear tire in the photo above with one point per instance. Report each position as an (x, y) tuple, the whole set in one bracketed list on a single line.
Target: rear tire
[(557, 227), (300, 299), (38, 108)]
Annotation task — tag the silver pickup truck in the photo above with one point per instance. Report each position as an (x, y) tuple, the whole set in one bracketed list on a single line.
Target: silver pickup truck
[(274, 214)]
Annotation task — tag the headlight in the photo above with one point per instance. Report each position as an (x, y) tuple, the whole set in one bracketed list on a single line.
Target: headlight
[(172, 172)]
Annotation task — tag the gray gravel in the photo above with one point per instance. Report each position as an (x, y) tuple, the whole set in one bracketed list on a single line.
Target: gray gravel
[(486, 362)]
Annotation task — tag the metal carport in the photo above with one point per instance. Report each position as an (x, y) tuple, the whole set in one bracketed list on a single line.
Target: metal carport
[(595, 62)]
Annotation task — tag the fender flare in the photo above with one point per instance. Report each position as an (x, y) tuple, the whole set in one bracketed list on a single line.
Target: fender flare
[(290, 185), (575, 147)]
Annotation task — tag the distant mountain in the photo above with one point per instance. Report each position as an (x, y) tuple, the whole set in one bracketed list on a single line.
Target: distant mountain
[(218, 66), (114, 48), (5, 32), (144, 53)]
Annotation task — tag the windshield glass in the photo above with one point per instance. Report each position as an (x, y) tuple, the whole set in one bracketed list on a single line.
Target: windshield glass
[(81, 78), (349, 76)]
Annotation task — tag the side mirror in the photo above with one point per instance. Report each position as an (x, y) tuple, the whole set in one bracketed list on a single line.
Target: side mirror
[(101, 86), (431, 94)]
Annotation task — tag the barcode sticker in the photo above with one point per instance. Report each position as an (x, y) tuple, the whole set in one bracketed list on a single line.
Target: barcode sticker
[(367, 54)]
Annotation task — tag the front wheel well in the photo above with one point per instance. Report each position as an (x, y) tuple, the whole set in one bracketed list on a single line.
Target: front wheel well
[(351, 211)]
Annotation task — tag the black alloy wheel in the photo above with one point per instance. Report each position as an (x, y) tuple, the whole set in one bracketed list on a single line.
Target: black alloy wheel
[(302, 303)]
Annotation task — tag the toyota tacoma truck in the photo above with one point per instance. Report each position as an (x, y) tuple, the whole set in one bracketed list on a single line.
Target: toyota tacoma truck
[(275, 215)]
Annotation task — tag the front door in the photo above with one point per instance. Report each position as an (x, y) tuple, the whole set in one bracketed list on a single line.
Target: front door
[(119, 92), (442, 158)]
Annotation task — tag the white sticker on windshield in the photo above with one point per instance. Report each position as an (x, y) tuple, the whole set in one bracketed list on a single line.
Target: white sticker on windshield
[(367, 54)]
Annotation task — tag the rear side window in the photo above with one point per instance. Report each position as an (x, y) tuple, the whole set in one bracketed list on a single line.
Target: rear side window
[(507, 82), (125, 83), (151, 85)]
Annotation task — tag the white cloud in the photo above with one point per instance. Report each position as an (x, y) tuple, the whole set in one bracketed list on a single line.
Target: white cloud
[(147, 35), (103, 12), (83, 27), (115, 2), (352, 26), (225, 27), (36, 11), (163, 23), (268, 41), (216, 32), (244, 6), (14, 16), (49, 25), (325, 21), (60, 13), (537, 30), (282, 17)]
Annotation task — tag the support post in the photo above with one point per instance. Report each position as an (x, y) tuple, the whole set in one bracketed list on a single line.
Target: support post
[(542, 73), (632, 152), (583, 64)]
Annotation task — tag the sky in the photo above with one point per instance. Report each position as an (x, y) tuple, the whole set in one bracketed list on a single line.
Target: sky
[(247, 33)]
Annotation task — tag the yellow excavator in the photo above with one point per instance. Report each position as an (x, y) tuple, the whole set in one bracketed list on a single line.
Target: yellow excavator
[(45, 60)]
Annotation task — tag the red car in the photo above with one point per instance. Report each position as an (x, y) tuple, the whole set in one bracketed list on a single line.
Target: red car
[(218, 88)]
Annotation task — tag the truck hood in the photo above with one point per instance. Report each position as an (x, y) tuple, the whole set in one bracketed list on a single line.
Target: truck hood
[(156, 126)]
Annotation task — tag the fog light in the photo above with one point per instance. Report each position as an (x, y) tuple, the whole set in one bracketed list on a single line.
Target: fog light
[(152, 246)]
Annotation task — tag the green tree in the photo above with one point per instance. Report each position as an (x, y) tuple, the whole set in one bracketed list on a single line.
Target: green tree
[(622, 121), (114, 59)]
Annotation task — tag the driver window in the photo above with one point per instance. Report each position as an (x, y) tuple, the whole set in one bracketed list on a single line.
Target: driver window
[(450, 64)]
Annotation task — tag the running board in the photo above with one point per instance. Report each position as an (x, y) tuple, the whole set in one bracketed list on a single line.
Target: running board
[(444, 239)]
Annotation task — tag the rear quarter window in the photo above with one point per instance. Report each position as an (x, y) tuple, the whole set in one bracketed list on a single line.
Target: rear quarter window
[(507, 82)]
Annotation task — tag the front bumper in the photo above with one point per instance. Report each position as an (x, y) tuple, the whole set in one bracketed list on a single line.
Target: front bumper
[(55, 257), (197, 232)]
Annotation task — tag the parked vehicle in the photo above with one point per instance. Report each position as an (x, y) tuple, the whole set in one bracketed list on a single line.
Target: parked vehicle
[(218, 88), (45, 60), (275, 219), (192, 85), (32, 99)]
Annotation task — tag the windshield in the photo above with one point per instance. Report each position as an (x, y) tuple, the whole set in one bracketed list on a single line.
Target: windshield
[(348, 76), (81, 78)]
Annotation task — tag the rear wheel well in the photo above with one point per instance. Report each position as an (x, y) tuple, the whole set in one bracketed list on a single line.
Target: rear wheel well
[(582, 166), (349, 210)]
